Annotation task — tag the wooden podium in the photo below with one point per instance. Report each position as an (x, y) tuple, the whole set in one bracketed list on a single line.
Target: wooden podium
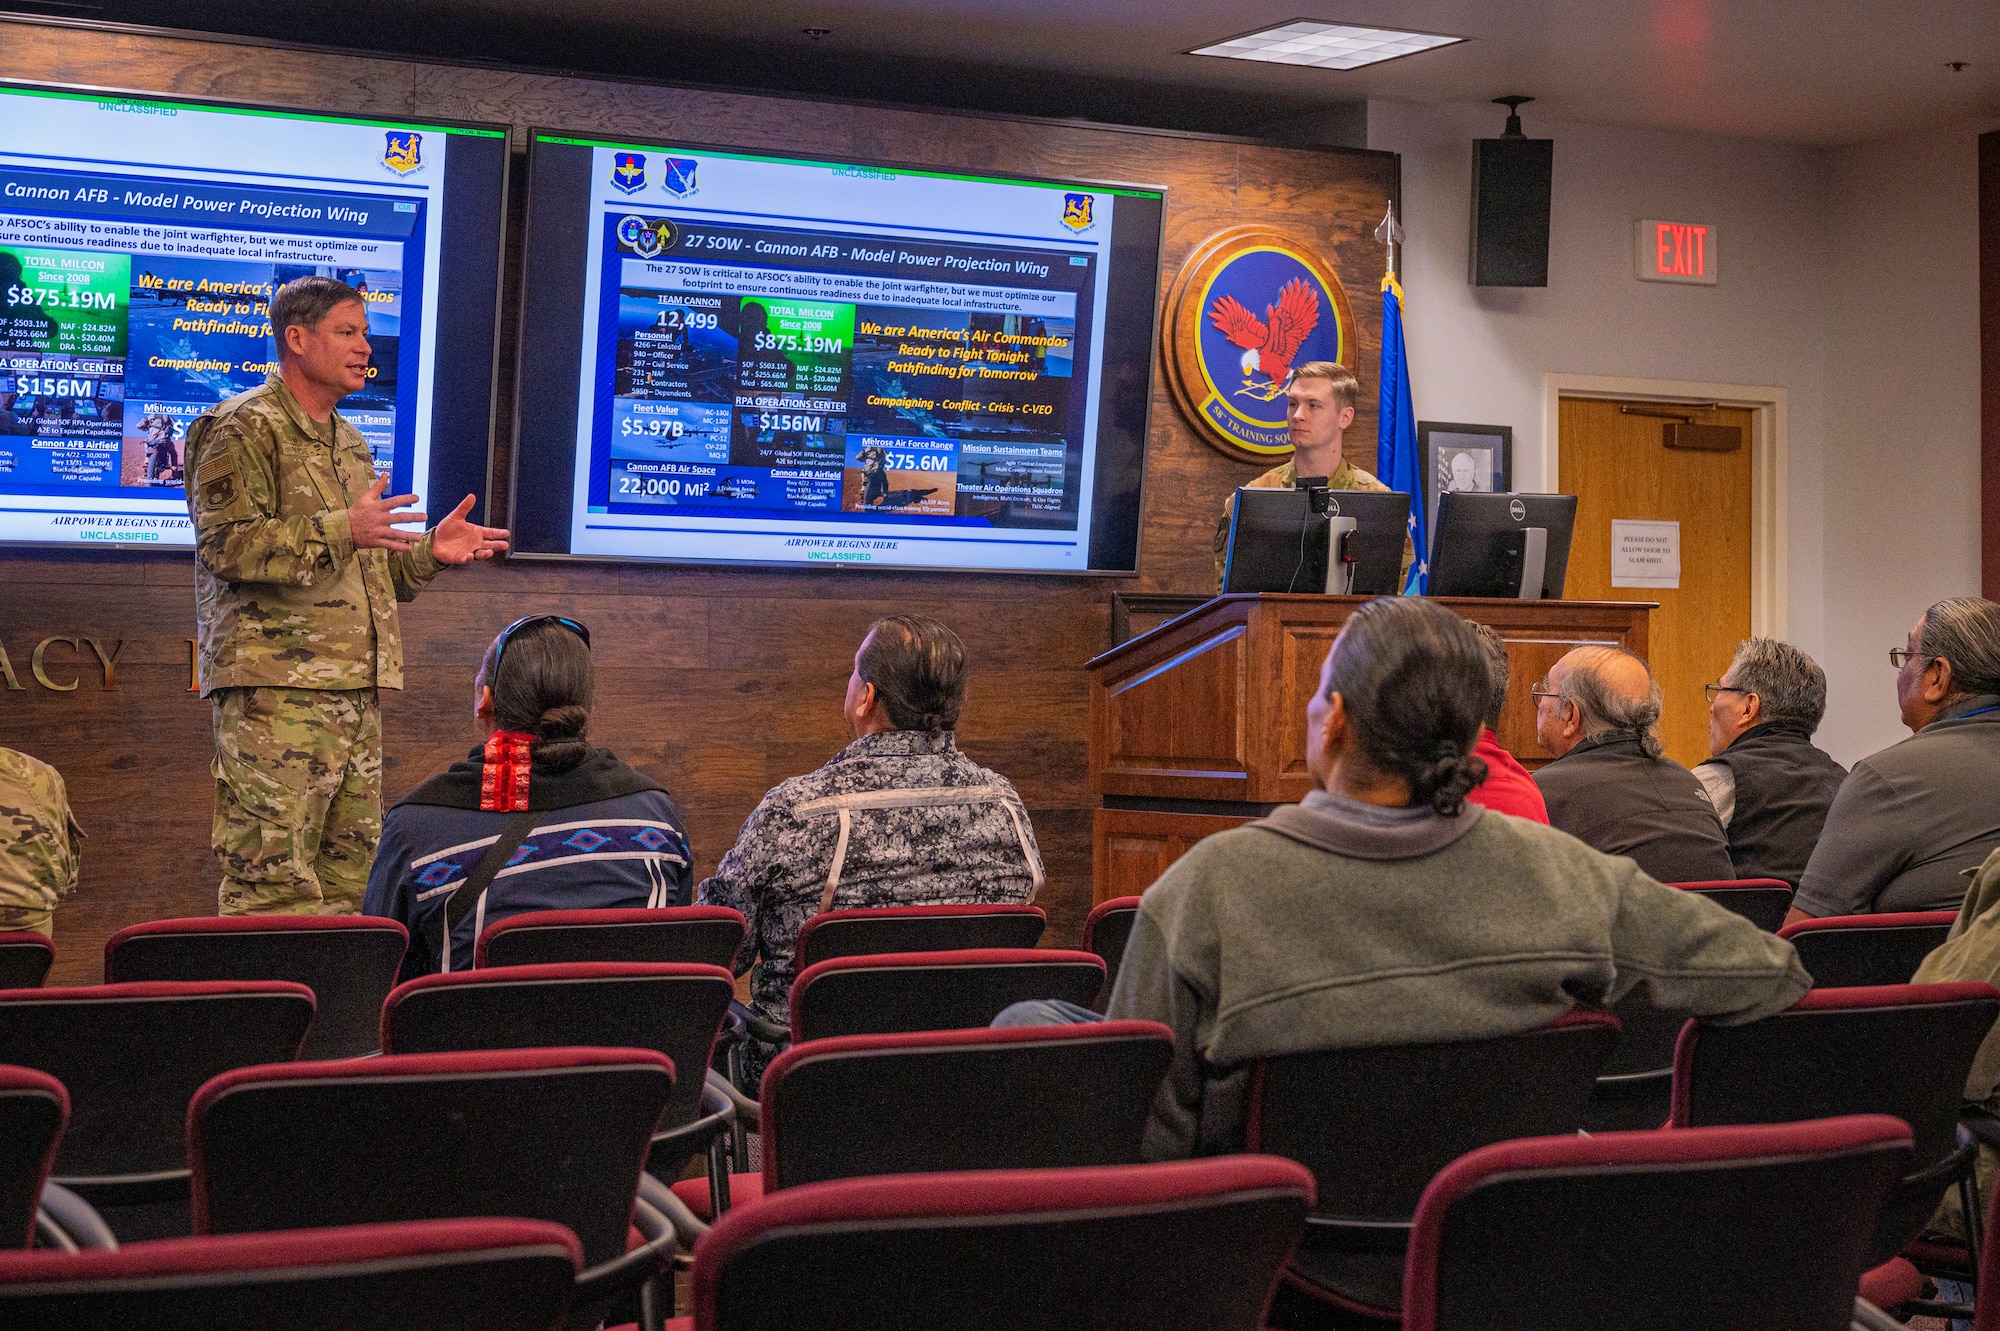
[(1199, 724)]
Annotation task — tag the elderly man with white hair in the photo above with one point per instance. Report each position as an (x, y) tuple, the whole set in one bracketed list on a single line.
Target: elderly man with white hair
[(1610, 785)]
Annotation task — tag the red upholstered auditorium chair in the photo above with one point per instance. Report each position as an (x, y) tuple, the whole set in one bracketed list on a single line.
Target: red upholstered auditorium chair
[(1375, 1124), (1899, 1050), (1845, 951), (1762, 901), (546, 1134), (698, 935), (33, 1109), (440, 1275), (933, 991), (131, 1057), (25, 958), (1104, 932), (675, 1009), (1636, 1089), (854, 933), (1725, 1229), (1023, 1097), (1134, 1248), (348, 961)]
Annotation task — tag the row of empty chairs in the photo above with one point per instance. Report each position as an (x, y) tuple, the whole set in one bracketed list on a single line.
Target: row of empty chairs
[(1634, 1230)]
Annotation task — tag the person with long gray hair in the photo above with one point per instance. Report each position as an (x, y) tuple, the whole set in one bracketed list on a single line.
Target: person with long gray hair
[(1610, 785), (1912, 820), (1770, 786), (899, 817)]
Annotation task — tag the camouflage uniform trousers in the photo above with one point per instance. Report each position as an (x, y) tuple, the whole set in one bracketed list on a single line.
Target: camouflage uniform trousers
[(298, 799)]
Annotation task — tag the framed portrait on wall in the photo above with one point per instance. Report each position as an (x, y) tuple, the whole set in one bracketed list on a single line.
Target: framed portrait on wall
[(1475, 458)]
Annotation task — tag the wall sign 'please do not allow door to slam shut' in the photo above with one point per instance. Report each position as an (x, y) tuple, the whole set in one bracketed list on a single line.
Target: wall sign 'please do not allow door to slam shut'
[(1675, 252)]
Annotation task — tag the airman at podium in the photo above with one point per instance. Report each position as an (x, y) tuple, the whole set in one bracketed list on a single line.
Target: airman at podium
[(1321, 407)]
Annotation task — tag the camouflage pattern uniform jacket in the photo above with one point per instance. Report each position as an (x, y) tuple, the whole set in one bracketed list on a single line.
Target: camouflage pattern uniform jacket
[(39, 842), (282, 597), (900, 818), (1346, 476)]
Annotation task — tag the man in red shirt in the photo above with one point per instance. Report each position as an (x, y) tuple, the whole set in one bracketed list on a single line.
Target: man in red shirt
[(1508, 788)]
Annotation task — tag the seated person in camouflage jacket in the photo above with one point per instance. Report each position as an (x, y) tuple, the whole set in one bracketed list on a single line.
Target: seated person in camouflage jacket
[(897, 818), (40, 843)]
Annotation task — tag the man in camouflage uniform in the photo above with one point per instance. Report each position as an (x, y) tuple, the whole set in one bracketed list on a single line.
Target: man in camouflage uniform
[(897, 818), (40, 843), (299, 563), (1321, 394)]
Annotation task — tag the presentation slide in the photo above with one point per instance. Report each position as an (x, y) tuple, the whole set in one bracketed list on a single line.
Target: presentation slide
[(767, 360), (140, 244)]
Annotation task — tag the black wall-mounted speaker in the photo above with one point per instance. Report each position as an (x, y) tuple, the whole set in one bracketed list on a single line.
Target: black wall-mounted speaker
[(1510, 211)]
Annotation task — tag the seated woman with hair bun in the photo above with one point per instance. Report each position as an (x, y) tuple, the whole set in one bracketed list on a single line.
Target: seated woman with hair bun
[(1384, 908), (535, 818)]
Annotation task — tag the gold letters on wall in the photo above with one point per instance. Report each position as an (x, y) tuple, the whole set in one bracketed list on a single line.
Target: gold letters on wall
[(39, 663)]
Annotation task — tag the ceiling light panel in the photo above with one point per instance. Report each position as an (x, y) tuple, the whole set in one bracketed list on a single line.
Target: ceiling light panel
[(1326, 45)]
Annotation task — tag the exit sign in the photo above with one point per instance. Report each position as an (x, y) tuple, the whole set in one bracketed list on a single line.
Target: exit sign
[(1676, 252)]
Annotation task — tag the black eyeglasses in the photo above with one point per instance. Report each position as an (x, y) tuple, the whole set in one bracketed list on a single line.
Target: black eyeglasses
[(528, 622), (1710, 690), (1899, 655), (1540, 689)]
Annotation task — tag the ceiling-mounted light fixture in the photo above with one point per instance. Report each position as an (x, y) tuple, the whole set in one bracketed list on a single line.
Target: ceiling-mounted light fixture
[(1326, 45)]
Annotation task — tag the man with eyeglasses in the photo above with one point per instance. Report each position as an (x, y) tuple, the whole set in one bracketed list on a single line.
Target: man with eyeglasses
[(300, 559), (1913, 820), (1770, 786), (1610, 785)]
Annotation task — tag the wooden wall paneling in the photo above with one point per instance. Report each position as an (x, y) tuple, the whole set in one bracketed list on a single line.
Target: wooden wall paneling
[(1134, 847), (1989, 365), (719, 681)]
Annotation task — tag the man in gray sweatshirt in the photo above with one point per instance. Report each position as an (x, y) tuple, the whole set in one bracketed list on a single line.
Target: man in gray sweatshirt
[(1385, 909)]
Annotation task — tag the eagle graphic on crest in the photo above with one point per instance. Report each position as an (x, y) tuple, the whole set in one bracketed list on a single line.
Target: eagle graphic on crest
[(1271, 342)]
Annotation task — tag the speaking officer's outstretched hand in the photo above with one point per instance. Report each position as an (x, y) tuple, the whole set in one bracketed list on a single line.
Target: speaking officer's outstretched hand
[(373, 520), (456, 541)]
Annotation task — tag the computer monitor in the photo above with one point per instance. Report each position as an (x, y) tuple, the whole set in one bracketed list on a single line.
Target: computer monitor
[(1506, 546), (1279, 541)]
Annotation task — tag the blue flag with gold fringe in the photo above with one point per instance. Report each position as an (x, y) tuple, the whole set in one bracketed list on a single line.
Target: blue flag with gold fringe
[(1396, 460)]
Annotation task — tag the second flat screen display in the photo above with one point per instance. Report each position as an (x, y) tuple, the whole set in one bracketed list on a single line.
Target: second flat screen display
[(769, 360)]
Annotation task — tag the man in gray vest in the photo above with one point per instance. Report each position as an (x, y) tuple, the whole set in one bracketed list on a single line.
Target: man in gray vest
[(1911, 821), (1770, 787), (1610, 785)]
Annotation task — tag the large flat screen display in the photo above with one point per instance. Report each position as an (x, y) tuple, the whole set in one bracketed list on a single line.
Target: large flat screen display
[(140, 244), (744, 358)]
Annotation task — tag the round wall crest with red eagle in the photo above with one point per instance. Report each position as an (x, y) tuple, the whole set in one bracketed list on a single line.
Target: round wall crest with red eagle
[(1250, 304)]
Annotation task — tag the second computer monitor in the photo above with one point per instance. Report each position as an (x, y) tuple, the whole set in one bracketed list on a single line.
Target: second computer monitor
[(1491, 544), (1284, 541)]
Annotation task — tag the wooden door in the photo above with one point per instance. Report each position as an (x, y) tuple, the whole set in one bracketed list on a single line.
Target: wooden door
[(1618, 466)]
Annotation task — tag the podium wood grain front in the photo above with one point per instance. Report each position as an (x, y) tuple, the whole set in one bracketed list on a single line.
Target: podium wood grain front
[(1199, 724)]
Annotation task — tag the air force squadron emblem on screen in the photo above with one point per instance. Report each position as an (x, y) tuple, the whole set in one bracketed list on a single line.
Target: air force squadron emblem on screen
[(403, 151), (1078, 212), (628, 172), (1269, 343), (680, 176)]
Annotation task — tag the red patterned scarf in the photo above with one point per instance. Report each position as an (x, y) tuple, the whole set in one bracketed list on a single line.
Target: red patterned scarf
[(503, 781)]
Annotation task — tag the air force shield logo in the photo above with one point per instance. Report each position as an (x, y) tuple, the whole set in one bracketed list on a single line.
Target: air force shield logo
[(679, 180), (1250, 306), (1077, 212), (628, 172), (403, 151)]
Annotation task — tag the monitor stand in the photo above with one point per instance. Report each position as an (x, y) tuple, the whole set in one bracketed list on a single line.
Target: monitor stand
[(1339, 564), (1534, 562)]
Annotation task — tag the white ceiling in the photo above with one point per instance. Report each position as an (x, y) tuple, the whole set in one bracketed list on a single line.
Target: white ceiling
[(1807, 71)]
